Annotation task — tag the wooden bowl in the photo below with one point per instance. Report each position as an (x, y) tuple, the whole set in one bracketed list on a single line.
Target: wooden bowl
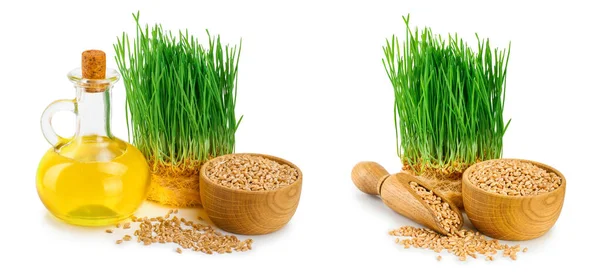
[(512, 217), (249, 212)]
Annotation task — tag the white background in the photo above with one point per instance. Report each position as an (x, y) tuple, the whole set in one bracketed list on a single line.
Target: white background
[(312, 89)]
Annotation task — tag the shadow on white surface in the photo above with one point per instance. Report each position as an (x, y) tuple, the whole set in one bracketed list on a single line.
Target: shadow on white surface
[(54, 223), (149, 209), (373, 205)]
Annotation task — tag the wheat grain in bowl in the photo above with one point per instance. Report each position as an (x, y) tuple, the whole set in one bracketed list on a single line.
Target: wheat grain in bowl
[(250, 172), (514, 178)]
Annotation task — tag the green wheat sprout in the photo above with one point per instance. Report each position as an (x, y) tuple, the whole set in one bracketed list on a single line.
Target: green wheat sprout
[(181, 96), (449, 100)]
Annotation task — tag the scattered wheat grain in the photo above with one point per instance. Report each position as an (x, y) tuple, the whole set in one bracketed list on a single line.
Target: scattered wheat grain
[(185, 233), (461, 243)]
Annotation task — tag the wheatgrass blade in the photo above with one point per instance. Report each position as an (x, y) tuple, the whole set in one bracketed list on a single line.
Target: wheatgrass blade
[(180, 96), (449, 100)]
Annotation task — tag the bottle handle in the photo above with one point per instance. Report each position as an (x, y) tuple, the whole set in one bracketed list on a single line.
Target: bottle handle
[(69, 105)]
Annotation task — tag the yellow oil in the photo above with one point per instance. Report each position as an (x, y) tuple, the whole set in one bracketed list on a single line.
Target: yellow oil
[(93, 180)]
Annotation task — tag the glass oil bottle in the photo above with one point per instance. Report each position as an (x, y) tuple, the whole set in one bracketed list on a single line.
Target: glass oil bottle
[(92, 178)]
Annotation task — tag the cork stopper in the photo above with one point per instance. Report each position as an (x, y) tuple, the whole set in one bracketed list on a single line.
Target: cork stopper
[(93, 66)]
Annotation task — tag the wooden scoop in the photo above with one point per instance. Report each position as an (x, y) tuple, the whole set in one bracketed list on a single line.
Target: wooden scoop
[(397, 194)]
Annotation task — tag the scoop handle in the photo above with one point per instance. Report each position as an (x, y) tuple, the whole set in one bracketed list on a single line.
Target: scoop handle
[(368, 176)]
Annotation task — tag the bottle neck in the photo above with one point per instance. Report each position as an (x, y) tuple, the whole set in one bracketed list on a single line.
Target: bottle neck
[(93, 112)]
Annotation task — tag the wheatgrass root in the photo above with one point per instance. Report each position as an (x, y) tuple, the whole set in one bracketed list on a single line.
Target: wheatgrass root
[(175, 188)]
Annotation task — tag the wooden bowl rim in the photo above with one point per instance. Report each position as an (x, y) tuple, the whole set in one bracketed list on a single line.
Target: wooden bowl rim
[(467, 182), (235, 190)]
